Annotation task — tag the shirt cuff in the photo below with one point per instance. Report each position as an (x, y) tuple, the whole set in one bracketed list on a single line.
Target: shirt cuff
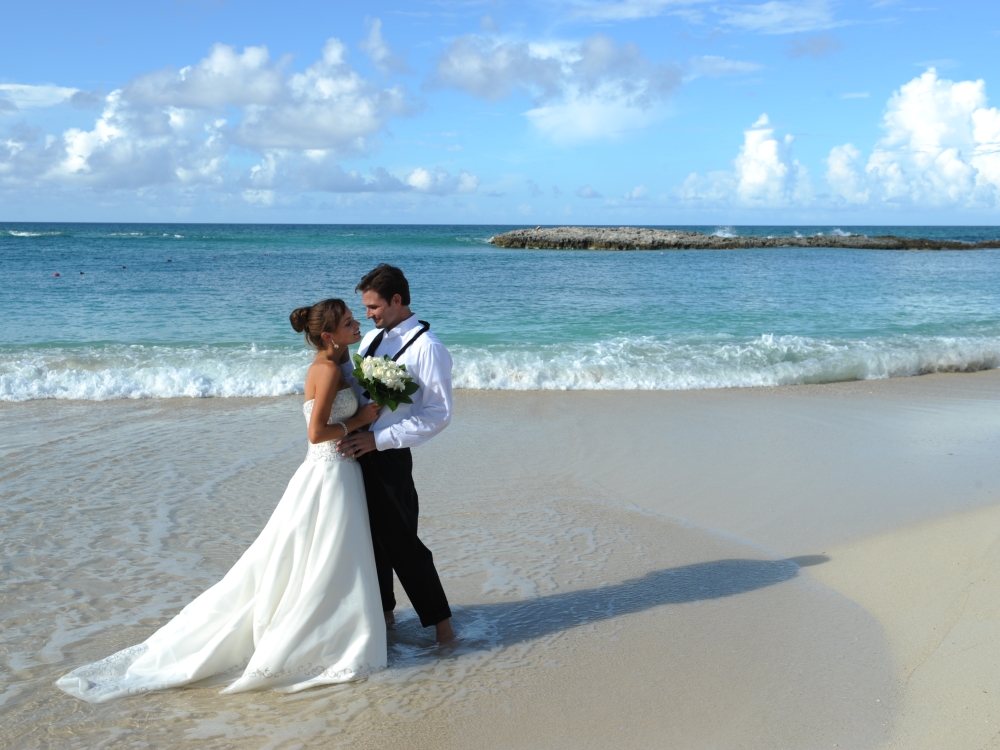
[(383, 439)]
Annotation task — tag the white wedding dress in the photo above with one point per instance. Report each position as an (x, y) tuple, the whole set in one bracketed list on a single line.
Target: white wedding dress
[(300, 608)]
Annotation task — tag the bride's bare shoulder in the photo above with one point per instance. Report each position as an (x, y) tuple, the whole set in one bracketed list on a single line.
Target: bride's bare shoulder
[(322, 374)]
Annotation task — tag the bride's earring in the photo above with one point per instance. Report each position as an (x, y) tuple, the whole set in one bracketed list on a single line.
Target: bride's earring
[(336, 346)]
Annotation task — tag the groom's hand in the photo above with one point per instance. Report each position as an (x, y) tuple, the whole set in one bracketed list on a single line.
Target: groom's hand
[(356, 444)]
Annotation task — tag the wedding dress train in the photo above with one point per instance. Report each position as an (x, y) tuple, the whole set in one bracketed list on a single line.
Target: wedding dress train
[(300, 608)]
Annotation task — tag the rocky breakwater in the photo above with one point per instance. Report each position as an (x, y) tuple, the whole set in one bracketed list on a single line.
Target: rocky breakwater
[(632, 238)]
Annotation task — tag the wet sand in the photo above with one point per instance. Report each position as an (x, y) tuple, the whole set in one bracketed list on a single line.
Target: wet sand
[(791, 567)]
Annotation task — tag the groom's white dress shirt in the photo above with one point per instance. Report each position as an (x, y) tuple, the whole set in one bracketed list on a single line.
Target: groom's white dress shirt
[(429, 364)]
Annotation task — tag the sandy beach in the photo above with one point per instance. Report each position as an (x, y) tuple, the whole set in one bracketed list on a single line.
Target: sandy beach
[(792, 567)]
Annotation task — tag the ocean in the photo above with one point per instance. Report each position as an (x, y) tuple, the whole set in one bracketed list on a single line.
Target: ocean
[(111, 311), (665, 562)]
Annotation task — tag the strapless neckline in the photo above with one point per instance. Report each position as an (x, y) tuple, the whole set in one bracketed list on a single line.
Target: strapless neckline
[(342, 390)]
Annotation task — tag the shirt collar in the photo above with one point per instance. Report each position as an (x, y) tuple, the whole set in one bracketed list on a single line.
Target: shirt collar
[(402, 328)]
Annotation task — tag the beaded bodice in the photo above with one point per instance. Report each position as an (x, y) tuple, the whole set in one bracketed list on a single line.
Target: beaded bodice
[(345, 404)]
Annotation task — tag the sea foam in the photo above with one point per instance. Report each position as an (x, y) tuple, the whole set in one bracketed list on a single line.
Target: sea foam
[(623, 363), (650, 364), (120, 371)]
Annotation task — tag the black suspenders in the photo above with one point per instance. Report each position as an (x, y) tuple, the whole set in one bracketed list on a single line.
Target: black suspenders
[(424, 328)]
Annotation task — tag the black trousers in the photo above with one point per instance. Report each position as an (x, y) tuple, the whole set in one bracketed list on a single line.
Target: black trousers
[(392, 511)]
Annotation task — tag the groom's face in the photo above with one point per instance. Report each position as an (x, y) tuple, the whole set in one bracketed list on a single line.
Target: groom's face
[(385, 314)]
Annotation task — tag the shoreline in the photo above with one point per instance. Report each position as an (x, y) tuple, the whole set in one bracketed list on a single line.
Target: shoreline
[(728, 388), (883, 494), (632, 238)]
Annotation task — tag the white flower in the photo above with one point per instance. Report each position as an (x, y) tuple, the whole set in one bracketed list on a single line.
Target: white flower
[(383, 371)]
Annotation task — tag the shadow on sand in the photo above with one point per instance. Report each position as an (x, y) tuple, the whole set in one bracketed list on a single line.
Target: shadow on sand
[(509, 623)]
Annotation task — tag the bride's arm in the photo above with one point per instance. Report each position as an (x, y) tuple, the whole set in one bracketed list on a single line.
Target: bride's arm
[(327, 379)]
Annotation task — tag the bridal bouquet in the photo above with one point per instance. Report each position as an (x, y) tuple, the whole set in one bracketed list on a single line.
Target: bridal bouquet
[(385, 382)]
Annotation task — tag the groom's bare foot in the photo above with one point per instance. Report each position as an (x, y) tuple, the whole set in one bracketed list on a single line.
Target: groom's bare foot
[(445, 634), (390, 618)]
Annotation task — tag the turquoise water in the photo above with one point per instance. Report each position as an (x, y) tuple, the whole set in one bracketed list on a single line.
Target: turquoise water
[(202, 310)]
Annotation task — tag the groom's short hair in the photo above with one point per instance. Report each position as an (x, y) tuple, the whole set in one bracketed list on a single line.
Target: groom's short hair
[(386, 281)]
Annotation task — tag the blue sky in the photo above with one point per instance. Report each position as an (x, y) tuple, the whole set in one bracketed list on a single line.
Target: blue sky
[(555, 111)]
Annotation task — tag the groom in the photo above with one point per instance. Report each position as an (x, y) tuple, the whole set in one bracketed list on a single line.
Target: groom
[(384, 451)]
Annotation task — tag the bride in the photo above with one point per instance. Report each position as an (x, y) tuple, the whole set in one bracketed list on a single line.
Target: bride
[(301, 607)]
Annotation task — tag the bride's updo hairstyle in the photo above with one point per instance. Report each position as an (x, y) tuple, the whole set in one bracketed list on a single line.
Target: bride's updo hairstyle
[(323, 317)]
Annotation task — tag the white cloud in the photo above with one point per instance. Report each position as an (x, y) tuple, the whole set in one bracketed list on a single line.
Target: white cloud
[(588, 192), (440, 182), (637, 193), (224, 78), (714, 66), (628, 10), (178, 128), (815, 46), (765, 174), (781, 17), (378, 50), (774, 17), (318, 170), (842, 174), (134, 147), (328, 106), (940, 147), (581, 90), (492, 69), (259, 197), (421, 179), (467, 183), (22, 96), (715, 188), (588, 118)]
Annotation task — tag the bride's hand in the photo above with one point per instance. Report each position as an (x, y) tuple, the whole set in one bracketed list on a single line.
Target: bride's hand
[(367, 413)]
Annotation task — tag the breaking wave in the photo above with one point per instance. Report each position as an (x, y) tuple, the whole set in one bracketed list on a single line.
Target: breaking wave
[(101, 373), (118, 371)]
